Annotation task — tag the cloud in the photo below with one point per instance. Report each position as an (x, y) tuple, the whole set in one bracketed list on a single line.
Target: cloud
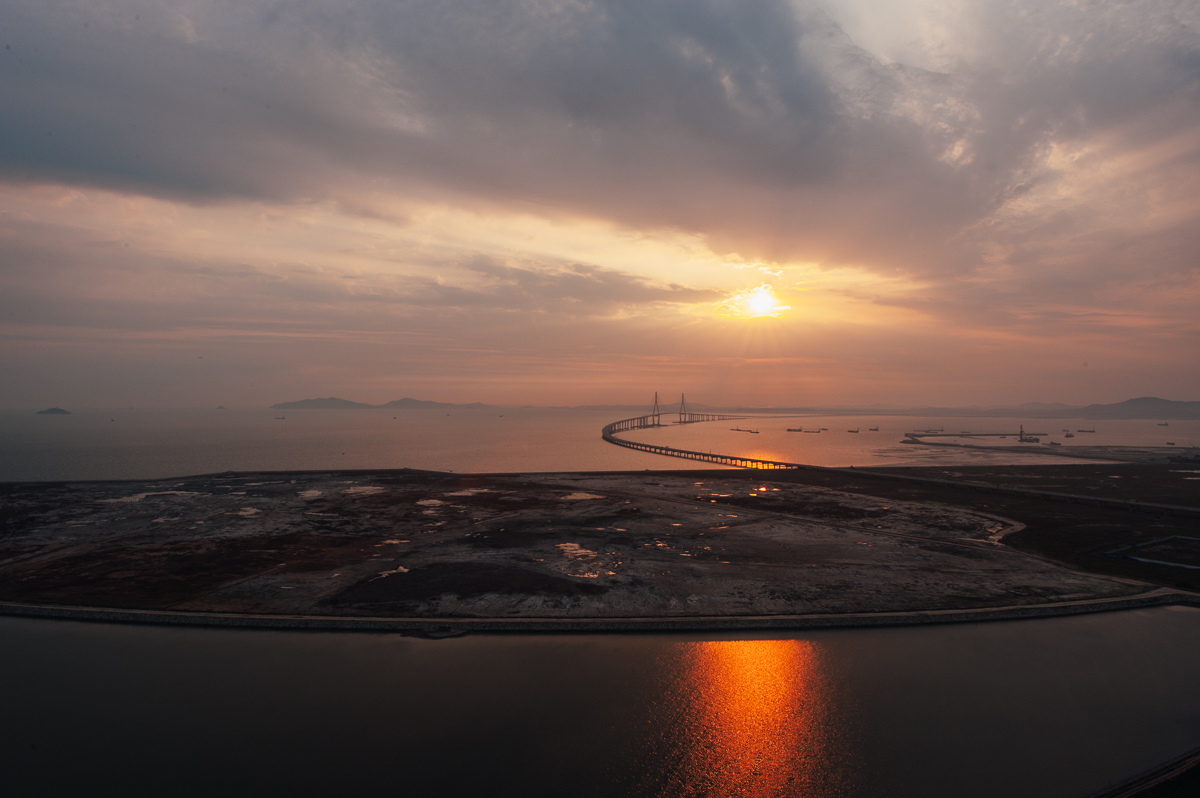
[(759, 124), (1005, 169), (77, 275)]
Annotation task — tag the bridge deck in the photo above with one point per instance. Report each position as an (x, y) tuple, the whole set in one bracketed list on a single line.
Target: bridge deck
[(647, 422)]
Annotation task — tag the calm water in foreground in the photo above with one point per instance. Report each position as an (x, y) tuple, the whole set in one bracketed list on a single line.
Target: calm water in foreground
[(141, 444), (1054, 708)]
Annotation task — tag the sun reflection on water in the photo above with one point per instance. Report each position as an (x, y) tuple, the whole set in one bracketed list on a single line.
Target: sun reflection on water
[(754, 716)]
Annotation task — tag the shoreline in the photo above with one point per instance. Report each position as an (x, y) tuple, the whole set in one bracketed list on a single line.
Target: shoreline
[(446, 627), (869, 472)]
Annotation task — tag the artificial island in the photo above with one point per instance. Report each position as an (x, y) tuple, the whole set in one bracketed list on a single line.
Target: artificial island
[(440, 553)]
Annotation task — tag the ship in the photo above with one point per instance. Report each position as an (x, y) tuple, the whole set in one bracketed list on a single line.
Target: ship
[(797, 429), (1069, 435), (739, 429), (851, 430), (872, 429), (1163, 424), (1085, 430)]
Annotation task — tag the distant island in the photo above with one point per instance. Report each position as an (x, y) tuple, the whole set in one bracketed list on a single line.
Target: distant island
[(333, 403), (1146, 407), (53, 411)]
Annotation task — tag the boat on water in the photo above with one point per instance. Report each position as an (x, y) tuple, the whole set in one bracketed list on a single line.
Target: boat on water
[(797, 429), (739, 429), (872, 429), (851, 430), (1170, 443), (1085, 430), (1054, 443), (1069, 435), (813, 431), (1163, 424)]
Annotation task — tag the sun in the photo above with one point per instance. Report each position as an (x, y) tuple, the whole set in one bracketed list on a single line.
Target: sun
[(761, 302), (755, 303), (751, 303)]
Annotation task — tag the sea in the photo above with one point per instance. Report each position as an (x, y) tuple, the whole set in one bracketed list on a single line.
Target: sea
[(1052, 708), (1049, 708), (146, 444)]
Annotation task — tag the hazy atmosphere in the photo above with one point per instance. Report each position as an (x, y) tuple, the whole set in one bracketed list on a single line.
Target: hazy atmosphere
[(531, 202)]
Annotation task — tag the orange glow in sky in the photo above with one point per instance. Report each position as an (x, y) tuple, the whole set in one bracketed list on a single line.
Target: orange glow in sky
[(754, 302), (367, 216)]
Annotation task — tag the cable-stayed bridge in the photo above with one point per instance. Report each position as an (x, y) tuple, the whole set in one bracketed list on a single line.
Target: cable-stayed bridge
[(654, 419)]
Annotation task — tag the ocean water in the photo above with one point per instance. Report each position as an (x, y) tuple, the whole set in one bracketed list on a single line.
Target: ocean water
[(143, 444), (837, 446), (1054, 708)]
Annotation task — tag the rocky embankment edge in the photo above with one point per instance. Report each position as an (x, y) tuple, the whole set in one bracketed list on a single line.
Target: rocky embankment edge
[(446, 627)]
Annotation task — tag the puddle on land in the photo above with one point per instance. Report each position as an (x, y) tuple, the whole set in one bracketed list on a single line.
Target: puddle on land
[(363, 490), (575, 551), (137, 497)]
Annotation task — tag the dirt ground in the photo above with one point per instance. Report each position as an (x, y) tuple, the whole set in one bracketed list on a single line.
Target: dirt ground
[(420, 544)]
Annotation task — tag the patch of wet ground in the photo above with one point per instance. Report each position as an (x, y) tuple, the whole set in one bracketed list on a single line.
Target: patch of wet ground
[(561, 545)]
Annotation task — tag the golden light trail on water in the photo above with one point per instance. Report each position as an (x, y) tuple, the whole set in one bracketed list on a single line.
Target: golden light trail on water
[(755, 715)]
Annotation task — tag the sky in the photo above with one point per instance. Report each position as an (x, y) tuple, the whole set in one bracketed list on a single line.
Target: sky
[(756, 202)]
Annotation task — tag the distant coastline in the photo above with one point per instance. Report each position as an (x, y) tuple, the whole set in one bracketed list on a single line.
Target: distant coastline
[(333, 403), (1147, 407)]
